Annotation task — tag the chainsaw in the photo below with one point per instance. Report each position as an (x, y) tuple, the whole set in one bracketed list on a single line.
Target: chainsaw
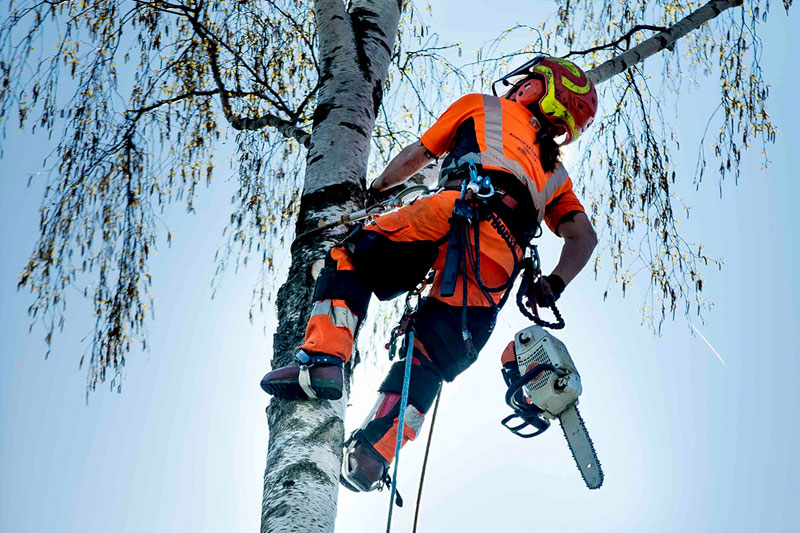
[(543, 384)]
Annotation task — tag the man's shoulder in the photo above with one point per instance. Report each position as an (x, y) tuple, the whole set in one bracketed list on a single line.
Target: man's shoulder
[(480, 100), (471, 100)]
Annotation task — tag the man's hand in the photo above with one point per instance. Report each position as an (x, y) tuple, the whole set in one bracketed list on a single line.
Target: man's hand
[(374, 196), (546, 291)]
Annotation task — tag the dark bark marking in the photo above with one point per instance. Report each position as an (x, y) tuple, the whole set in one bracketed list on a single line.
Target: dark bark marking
[(321, 113), (302, 468), (330, 431), (326, 66), (335, 194), (364, 28), (354, 127), (277, 511), (377, 97), (315, 159)]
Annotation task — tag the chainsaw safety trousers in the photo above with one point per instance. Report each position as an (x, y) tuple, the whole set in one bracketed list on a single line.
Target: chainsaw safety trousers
[(388, 257), (381, 425), (439, 354), (391, 256)]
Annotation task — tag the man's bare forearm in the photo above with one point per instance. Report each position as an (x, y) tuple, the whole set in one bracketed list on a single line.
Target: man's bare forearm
[(404, 165), (579, 243)]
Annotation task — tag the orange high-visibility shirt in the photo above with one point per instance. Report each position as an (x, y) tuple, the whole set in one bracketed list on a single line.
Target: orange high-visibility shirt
[(498, 134)]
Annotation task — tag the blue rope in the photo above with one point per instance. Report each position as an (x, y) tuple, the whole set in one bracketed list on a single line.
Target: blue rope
[(401, 423)]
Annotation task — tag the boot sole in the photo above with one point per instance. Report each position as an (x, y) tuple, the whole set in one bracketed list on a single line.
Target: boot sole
[(289, 389), (349, 486)]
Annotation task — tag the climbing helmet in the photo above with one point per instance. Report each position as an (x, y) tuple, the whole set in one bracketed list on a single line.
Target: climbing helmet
[(569, 101)]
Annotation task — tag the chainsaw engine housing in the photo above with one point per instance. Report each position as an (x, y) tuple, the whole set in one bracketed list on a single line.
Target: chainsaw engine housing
[(552, 392)]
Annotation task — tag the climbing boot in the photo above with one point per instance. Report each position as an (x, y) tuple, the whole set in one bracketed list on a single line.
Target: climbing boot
[(363, 468), (314, 376)]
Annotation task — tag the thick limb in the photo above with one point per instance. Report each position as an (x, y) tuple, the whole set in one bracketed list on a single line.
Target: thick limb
[(404, 165)]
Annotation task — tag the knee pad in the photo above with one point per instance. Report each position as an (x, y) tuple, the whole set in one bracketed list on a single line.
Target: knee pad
[(344, 285), (422, 389)]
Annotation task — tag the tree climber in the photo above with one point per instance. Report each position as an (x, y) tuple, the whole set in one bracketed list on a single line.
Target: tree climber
[(513, 140)]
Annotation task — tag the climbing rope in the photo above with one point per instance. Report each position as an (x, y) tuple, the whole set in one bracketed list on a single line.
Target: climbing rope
[(401, 422), (425, 459)]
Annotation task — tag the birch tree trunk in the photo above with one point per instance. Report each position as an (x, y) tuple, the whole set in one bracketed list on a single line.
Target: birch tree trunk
[(660, 41), (304, 453)]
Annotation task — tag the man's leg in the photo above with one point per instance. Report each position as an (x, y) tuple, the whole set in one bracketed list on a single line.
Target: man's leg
[(340, 304), (439, 354), (387, 257), (371, 448)]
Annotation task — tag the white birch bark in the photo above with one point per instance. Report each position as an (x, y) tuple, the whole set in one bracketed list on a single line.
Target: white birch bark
[(660, 41), (304, 454)]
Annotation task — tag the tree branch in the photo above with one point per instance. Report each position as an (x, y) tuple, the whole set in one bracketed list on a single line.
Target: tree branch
[(658, 42), (286, 128), (156, 105), (613, 44)]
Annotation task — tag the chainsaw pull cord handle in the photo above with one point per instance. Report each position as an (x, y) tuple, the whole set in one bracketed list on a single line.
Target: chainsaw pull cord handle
[(531, 272)]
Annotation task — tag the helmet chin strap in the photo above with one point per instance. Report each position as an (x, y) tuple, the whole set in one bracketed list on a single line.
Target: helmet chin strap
[(539, 122)]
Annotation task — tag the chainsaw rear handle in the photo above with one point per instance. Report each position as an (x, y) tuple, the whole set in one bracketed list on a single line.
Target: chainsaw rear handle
[(541, 425), (528, 413), (517, 384)]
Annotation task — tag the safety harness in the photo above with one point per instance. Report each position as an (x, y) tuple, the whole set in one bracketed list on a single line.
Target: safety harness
[(479, 201), (474, 205)]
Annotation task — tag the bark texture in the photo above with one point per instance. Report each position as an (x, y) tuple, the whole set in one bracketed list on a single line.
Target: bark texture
[(304, 453), (660, 41)]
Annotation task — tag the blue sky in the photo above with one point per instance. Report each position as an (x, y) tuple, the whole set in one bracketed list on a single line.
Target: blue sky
[(686, 442)]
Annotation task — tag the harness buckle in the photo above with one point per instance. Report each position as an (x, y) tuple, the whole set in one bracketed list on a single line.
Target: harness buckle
[(480, 186), (303, 359)]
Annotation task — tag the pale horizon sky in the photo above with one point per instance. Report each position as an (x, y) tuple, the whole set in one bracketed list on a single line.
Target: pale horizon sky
[(687, 443)]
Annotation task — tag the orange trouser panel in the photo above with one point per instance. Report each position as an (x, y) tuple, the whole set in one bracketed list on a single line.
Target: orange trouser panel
[(385, 446), (324, 334), (426, 219)]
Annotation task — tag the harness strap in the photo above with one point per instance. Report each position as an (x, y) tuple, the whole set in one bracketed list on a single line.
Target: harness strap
[(305, 382), (462, 213), (511, 201)]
